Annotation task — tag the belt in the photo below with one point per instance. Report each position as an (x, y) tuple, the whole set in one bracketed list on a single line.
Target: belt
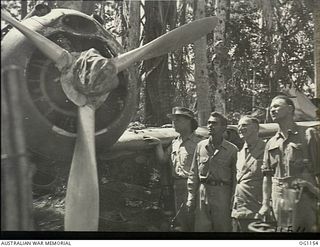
[(180, 178), (213, 182), (217, 183)]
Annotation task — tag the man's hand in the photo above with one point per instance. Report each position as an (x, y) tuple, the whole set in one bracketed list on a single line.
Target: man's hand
[(301, 182), (263, 212), (160, 154), (312, 188), (152, 140), (190, 206)]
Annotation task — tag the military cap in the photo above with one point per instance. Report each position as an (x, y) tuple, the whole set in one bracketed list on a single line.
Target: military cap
[(183, 111)]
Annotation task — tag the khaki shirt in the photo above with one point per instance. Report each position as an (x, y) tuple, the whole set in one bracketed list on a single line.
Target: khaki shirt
[(181, 153), (214, 163), (295, 156), (248, 193)]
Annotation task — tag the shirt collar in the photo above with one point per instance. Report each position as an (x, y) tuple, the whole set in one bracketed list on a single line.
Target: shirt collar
[(279, 135), (292, 131), (223, 143), (190, 137), (253, 146)]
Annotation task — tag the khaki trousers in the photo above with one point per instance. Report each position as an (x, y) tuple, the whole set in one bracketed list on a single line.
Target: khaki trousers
[(184, 219), (213, 211)]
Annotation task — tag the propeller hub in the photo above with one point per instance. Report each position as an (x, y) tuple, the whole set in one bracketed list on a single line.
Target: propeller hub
[(94, 75), (90, 78)]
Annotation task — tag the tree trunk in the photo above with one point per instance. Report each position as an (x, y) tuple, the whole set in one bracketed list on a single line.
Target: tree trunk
[(86, 7), (134, 38), (120, 23), (76, 5), (51, 4), (201, 70), (16, 170), (180, 65), (158, 86), (134, 24), (24, 9), (267, 23), (316, 20), (220, 61)]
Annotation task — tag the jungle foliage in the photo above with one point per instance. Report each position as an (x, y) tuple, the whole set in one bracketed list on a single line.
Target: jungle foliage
[(267, 47)]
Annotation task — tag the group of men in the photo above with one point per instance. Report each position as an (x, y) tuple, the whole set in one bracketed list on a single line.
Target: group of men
[(220, 189)]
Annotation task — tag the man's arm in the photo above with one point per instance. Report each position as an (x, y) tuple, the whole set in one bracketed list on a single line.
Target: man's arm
[(267, 171), (313, 147), (266, 195), (233, 175), (193, 181), (161, 155), (313, 138), (311, 187)]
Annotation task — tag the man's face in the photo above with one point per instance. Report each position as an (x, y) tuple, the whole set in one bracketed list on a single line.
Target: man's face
[(215, 127), (247, 128), (279, 110), (181, 123)]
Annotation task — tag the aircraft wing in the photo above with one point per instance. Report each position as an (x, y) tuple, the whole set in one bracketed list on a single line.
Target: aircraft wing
[(132, 140)]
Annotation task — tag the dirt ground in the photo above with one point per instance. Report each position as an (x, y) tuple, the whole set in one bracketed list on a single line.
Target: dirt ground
[(130, 194), (135, 216)]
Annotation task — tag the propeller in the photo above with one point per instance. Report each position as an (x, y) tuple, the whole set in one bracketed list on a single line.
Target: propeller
[(82, 199), (60, 56), (168, 42)]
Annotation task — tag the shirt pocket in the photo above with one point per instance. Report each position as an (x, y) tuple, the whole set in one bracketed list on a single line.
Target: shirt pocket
[(294, 151), (223, 170), (274, 157), (184, 159), (295, 159), (255, 169)]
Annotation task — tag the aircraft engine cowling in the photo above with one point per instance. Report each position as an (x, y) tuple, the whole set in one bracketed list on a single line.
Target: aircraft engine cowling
[(50, 119)]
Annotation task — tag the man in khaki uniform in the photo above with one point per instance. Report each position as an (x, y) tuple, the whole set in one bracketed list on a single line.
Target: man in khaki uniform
[(180, 153), (291, 170), (212, 179), (248, 193)]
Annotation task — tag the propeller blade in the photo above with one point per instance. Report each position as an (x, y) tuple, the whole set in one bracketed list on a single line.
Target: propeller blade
[(82, 199), (168, 42), (60, 56)]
